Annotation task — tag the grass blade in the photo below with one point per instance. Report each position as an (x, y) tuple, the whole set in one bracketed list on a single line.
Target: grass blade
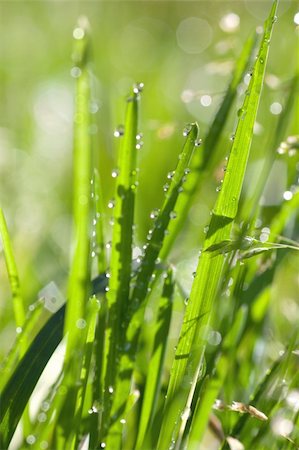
[(19, 388), (14, 281), (99, 244), (154, 370), (207, 157), (122, 239), (140, 291), (79, 276), (20, 345), (191, 342)]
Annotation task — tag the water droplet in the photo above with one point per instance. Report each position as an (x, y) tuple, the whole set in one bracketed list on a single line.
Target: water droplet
[(138, 87), (111, 204), (108, 245), (76, 72), (170, 175), (261, 60), (102, 445), (274, 19), (154, 214), (206, 229), (44, 445), (166, 187), (186, 301), (81, 324), (193, 274), (214, 338), (19, 330), (206, 100), (186, 171), (180, 189), (93, 254), (30, 439), (276, 108), (110, 390), (93, 410), (187, 130), (45, 406), (232, 137), (120, 131), (123, 421), (198, 142), (139, 145), (173, 215), (78, 33), (139, 136), (218, 188), (115, 173), (42, 417), (186, 414), (240, 112), (288, 195)]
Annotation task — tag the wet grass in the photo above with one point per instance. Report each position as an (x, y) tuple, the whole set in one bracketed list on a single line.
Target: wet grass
[(134, 374)]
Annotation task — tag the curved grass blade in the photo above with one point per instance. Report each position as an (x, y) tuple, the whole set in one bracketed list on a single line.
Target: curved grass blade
[(20, 346), (14, 281), (16, 393), (207, 157), (140, 291), (19, 388), (153, 381), (206, 284)]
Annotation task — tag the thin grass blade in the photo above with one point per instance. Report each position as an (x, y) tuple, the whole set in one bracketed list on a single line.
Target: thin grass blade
[(14, 281), (99, 244)]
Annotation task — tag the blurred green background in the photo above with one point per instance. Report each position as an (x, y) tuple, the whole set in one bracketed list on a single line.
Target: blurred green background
[(184, 52)]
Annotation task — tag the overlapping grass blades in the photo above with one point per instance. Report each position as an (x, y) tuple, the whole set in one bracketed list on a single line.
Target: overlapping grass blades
[(136, 307), (153, 380), (191, 344), (103, 397), (205, 160), (121, 254), (19, 388)]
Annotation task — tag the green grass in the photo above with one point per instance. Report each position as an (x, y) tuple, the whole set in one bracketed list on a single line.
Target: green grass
[(149, 364)]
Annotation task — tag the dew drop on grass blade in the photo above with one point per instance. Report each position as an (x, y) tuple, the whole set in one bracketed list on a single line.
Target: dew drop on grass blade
[(205, 286)]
